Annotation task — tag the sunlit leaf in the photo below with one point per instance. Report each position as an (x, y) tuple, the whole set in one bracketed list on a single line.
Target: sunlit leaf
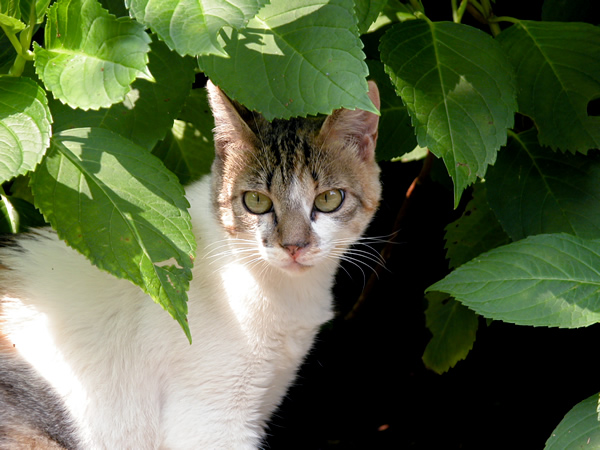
[(77, 65), (303, 57), (191, 27), (544, 280), (118, 205), (149, 108), (24, 126), (459, 89), (580, 428)]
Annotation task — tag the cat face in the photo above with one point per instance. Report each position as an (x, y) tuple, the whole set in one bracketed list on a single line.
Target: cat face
[(294, 194)]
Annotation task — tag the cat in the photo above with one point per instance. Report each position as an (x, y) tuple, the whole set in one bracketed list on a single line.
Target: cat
[(88, 361)]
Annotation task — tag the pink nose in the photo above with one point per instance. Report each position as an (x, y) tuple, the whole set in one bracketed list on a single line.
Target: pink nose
[(294, 249)]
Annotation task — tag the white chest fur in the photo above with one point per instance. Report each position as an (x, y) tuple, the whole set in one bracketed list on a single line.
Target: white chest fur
[(124, 368)]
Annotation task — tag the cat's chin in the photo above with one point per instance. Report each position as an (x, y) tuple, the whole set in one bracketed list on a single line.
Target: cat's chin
[(295, 268)]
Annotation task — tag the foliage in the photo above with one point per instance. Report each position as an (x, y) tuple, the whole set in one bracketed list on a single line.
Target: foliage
[(98, 110)]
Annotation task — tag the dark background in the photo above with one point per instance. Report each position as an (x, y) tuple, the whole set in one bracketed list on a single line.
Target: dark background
[(364, 385)]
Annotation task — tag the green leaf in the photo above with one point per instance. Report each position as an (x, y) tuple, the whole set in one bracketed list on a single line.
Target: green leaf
[(116, 7), (533, 190), (579, 428), (191, 27), (78, 66), (119, 206), (544, 280), (38, 7), (25, 126), (367, 12), (18, 215), (303, 57), (475, 232), (569, 11), (188, 150), (396, 134), (459, 90), (7, 54), (558, 74), (453, 327), (10, 24), (10, 8), (9, 218), (149, 108)]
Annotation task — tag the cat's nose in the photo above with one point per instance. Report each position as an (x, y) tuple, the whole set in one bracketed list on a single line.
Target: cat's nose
[(294, 249)]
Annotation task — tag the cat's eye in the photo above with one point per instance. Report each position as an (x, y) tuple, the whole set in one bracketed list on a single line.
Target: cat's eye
[(329, 201), (257, 203)]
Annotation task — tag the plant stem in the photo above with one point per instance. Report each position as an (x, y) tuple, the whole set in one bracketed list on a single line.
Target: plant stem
[(494, 28), (482, 12), (417, 5), (457, 13), (504, 19), (16, 70), (13, 40), (475, 4), (22, 44)]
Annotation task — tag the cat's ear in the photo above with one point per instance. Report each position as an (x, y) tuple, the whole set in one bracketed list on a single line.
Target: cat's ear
[(356, 127), (231, 130)]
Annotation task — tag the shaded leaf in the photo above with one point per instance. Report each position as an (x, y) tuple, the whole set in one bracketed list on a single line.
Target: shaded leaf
[(579, 428), (10, 8), (367, 12), (459, 90), (39, 7), (534, 190), (303, 57), (77, 65), (120, 207), (475, 232), (558, 74), (18, 215), (25, 126), (188, 150), (190, 27), (396, 134), (9, 218), (116, 7), (544, 280), (569, 11), (453, 327), (7, 54)]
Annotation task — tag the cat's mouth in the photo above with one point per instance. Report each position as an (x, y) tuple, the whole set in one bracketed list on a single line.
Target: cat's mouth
[(294, 266)]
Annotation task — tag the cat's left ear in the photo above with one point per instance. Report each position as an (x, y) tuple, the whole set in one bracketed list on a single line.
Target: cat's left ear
[(355, 127)]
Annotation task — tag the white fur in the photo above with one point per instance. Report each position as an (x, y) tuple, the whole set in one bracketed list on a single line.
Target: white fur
[(124, 367)]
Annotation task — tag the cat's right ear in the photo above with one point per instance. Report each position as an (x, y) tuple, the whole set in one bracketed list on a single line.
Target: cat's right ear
[(355, 127), (231, 132)]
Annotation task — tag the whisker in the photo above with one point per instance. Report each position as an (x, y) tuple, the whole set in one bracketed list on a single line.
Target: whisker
[(358, 254), (354, 263), (348, 257)]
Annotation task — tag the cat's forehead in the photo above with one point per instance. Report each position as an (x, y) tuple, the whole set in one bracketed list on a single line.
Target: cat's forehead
[(290, 146)]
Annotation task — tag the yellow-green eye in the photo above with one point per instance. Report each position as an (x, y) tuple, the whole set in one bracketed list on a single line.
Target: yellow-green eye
[(329, 201), (257, 203)]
